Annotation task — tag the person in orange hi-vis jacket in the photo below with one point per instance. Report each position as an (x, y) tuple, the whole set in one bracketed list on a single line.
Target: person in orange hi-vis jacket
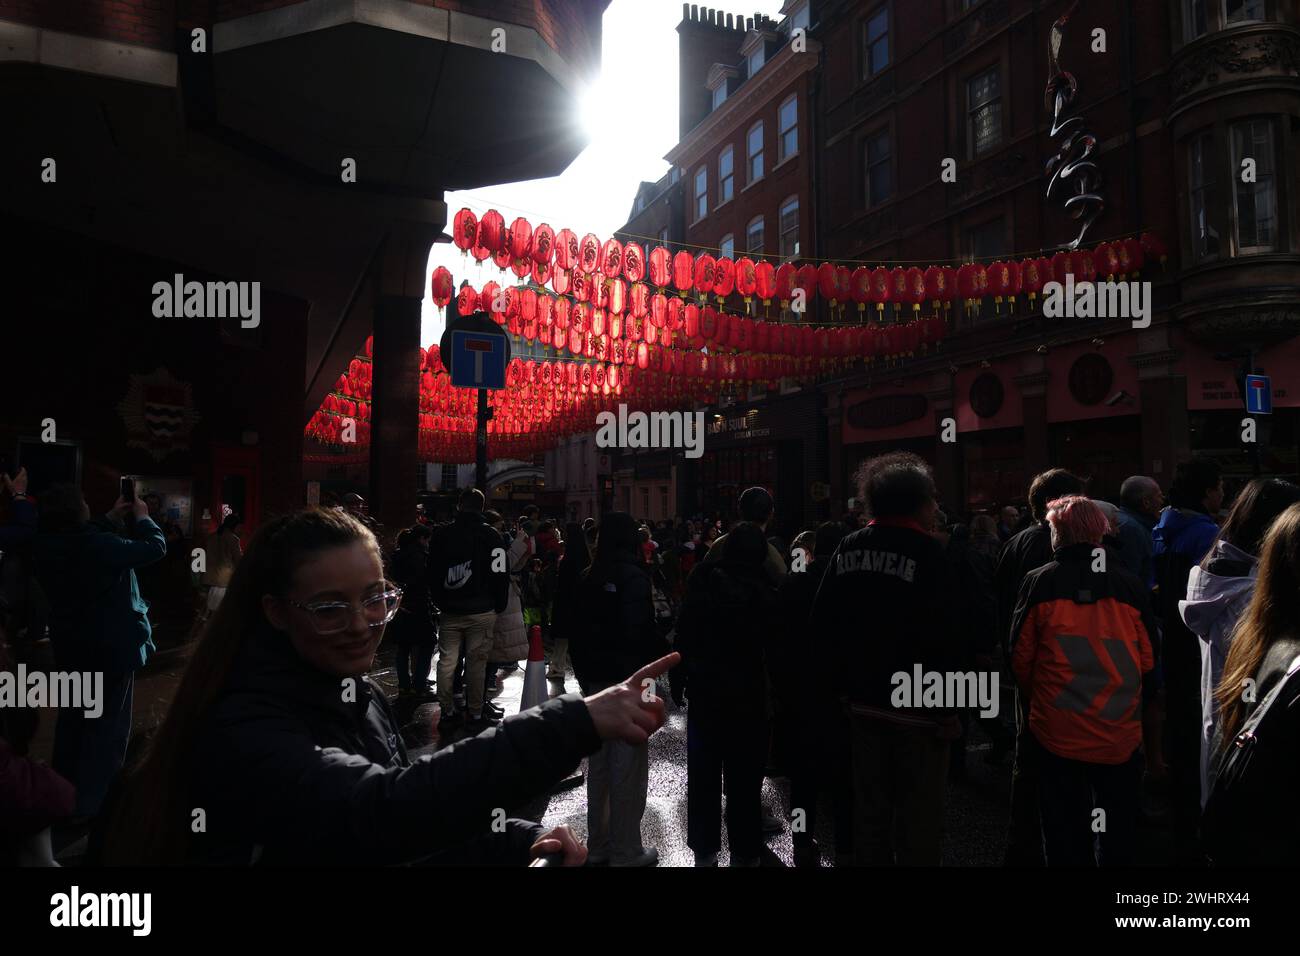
[(1082, 647)]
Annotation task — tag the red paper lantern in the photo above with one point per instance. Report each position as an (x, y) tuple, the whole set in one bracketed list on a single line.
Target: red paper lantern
[(633, 262), (826, 282), (746, 279), (640, 299), (492, 232), (617, 296), (806, 279), (860, 287), (589, 253), (786, 275), (765, 281), (882, 290), (1154, 247), (683, 272), (566, 250), (1087, 266), (490, 300), (1136, 256), (658, 310), (999, 278), (1031, 278), (541, 272), (562, 280), (521, 239), (467, 301), (611, 258), (691, 320), (915, 282), (675, 318), (660, 267), (705, 274), (502, 258), (543, 245), (1107, 260), (465, 230)]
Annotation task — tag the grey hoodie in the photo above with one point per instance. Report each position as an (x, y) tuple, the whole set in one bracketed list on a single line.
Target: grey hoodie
[(1215, 602)]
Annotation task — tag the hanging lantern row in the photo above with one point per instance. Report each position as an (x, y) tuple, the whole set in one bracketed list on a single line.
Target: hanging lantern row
[(584, 267)]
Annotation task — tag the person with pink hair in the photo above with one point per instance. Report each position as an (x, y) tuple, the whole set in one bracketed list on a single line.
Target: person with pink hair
[(1081, 645)]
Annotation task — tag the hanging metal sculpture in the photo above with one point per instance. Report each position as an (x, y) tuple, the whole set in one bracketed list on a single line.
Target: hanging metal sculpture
[(1073, 161)]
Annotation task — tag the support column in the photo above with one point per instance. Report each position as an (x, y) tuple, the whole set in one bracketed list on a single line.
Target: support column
[(947, 455), (1162, 399), (835, 454), (399, 280), (1033, 397)]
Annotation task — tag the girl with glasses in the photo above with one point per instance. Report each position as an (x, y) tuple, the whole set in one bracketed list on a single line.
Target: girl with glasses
[(278, 749)]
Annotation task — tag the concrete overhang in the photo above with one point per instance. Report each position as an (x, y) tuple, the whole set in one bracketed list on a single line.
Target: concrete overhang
[(418, 96)]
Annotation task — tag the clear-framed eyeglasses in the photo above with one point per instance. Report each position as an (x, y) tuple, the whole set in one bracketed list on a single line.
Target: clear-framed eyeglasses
[(331, 617)]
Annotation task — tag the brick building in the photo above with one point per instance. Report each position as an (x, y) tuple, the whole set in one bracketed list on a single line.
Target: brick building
[(1177, 94)]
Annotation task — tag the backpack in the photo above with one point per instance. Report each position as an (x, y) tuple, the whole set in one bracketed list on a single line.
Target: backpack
[(1240, 821), (454, 566)]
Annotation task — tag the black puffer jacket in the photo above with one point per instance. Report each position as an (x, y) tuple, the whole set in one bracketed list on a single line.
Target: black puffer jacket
[(729, 621), (613, 633), (1023, 552), (291, 773)]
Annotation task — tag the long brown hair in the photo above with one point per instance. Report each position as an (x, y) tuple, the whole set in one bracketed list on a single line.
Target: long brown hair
[(1273, 612), (150, 823)]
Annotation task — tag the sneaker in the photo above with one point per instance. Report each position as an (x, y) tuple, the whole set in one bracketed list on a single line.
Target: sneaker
[(706, 859), (647, 857), (492, 710)]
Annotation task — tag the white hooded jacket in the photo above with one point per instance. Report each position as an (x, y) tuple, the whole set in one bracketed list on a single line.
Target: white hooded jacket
[(1214, 604)]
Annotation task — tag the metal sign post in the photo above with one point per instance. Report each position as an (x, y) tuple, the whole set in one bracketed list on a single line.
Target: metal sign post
[(476, 351)]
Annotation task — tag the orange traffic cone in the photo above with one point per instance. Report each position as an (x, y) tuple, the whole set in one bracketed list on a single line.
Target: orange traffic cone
[(535, 691)]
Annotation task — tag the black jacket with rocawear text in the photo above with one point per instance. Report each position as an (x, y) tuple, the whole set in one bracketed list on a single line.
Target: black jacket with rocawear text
[(290, 772), (885, 605)]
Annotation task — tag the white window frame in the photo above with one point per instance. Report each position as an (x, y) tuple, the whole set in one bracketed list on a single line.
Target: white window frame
[(1223, 15), (1254, 189), (727, 183), (781, 153), (727, 246), (701, 206), (751, 68), (972, 110), (719, 100), (782, 231), (868, 163), (1200, 193), (749, 230), (751, 154), (867, 66)]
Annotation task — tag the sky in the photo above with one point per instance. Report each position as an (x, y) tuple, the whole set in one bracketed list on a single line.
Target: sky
[(595, 193)]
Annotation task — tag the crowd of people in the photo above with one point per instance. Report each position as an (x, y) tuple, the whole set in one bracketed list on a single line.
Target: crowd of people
[(1135, 650)]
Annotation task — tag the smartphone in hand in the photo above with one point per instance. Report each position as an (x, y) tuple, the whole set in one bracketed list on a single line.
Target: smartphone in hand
[(128, 489)]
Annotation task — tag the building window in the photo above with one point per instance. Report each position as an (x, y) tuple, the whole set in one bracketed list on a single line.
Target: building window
[(1202, 191), (984, 112), (754, 235), (720, 95), (1194, 20), (789, 223), (756, 60), (663, 236), (788, 138), (877, 161), (727, 247), (986, 242), (1242, 11), (726, 180), (1256, 203), (449, 477), (701, 193), (800, 19), (875, 43), (754, 143)]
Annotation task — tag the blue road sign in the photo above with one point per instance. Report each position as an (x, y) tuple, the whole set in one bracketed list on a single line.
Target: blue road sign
[(478, 359), (1259, 395)]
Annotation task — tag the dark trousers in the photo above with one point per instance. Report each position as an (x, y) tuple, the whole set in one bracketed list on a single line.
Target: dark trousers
[(899, 778), (726, 745), (1025, 835), (1182, 733), (413, 664), (1071, 794), (90, 751)]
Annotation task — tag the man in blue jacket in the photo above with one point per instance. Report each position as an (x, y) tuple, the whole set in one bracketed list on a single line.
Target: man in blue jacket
[(98, 623), (1184, 534)]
